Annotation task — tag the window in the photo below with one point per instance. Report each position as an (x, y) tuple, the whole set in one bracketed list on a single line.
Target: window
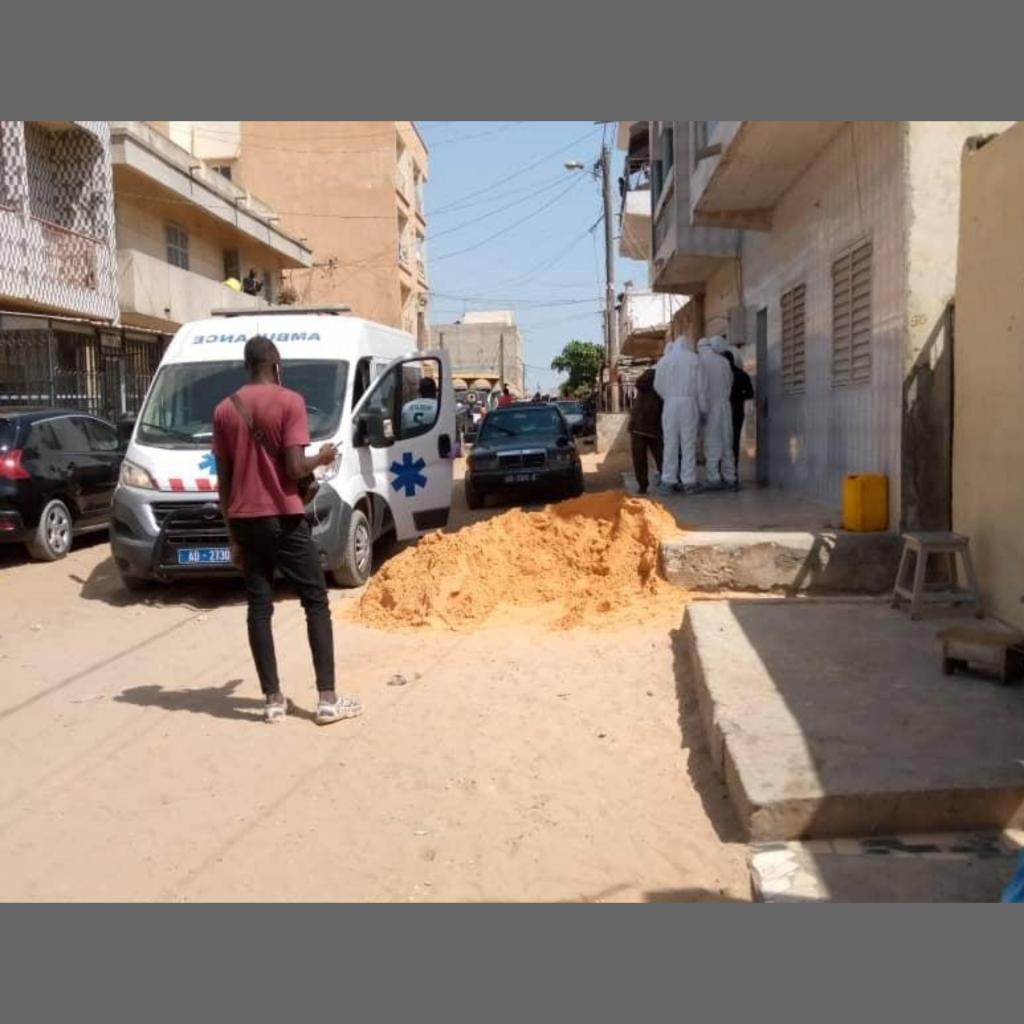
[(232, 265), (851, 317), (177, 245), (793, 341), (224, 170), (42, 439), (702, 133), (179, 410), (409, 398), (667, 147), (70, 431), (102, 437)]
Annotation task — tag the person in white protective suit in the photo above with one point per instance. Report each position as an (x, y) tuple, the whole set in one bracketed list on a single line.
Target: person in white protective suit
[(719, 464), (679, 383)]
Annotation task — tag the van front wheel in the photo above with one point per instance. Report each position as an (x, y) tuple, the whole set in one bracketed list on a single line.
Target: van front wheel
[(357, 558)]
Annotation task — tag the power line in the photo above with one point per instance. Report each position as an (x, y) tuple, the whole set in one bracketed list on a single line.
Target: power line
[(509, 227)]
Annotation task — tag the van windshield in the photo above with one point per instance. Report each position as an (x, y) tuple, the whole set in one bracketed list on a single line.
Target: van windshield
[(179, 410)]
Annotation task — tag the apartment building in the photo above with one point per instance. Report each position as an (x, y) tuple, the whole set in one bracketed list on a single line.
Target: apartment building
[(184, 230), (59, 339), (352, 191), (486, 351), (827, 252)]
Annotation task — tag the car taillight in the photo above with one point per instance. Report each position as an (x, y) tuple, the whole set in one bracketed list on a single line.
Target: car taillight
[(11, 467)]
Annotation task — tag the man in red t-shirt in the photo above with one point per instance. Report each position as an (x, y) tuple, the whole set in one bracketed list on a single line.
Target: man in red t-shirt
[(506, 397), (259, 497)]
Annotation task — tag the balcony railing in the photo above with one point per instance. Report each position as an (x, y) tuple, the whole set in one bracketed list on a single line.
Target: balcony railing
[(69, 257)]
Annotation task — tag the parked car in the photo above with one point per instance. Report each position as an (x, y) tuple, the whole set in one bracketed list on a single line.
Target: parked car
[(576, 416), (523, 447), (58, 471)]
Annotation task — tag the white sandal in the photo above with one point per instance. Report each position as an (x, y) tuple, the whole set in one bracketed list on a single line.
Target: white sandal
[(338, 710), (273, 713)]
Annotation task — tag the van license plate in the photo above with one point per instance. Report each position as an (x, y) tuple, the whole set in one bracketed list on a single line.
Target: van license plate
[(521, 478), (204, 556)]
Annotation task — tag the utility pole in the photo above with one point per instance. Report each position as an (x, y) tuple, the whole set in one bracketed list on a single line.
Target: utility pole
[(611, 323), (501, 360)]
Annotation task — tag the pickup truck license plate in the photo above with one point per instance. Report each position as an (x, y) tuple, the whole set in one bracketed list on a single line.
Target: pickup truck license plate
[(204, 556), (520, 478)]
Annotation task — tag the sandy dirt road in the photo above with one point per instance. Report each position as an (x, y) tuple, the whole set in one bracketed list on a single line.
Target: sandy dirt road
[(511, 764)]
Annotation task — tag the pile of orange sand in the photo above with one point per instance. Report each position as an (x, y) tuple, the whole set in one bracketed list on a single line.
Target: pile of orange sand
[(583, 560)]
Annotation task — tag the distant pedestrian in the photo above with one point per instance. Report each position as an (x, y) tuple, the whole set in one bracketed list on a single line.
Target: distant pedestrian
[(259, 434), (645, 429), (252, 285), (506, 397), (742, 392)]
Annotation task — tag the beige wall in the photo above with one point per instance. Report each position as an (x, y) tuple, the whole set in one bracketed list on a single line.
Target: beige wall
[(141, 213), (336, 184), (988, 492), (722, 293)]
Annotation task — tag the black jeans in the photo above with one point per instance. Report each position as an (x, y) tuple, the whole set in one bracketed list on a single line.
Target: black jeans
[(642, 444), (284, 543), (737, 429)]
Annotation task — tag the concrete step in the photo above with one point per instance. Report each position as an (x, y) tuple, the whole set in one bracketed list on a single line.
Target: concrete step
[(791, 562), (835, 719), (944, 868)]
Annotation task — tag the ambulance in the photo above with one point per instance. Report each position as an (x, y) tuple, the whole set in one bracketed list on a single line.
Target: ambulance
[(360, 380)]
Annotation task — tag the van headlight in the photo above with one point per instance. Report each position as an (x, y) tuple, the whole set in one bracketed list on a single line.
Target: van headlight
[(136, 476), (561, 458)]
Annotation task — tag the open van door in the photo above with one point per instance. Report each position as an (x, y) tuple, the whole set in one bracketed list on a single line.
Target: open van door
[(403, 431)]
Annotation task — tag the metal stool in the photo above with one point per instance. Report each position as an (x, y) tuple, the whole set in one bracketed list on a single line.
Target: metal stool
[(948, 546)]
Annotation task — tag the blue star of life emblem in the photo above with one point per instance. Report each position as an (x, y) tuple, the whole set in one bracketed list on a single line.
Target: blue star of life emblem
[(208, 464), (408, 474)]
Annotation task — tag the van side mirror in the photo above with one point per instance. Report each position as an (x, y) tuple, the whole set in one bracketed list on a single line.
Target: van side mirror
[(375, 429), (125, 426)]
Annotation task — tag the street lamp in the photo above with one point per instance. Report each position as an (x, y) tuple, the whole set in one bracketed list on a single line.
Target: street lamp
[(574, 165)]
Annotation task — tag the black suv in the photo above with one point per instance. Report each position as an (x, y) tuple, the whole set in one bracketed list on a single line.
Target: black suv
[(58, 470), (523, 446)]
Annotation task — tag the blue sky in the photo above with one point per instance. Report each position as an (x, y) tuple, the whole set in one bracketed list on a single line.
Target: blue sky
[(508, 227)]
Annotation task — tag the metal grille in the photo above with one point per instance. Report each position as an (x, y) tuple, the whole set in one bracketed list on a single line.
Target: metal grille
[(793, 351), (851, 317), (76, 370)]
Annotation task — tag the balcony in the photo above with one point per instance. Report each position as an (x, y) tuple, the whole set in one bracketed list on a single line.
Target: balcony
[(644, 319), (742, 168), (145, 160), (635, 225), (155, 293), (685, 256), (54, 267)]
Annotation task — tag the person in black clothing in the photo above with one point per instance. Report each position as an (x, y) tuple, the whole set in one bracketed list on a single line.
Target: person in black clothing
[(645, 428), (742, 392), (252, 285)]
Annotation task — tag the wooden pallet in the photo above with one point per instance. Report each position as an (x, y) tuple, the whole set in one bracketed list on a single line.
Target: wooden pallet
[(994, 650)]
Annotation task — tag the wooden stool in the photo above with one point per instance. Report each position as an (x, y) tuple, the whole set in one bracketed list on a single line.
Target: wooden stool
[(996, 650), (946, 546)]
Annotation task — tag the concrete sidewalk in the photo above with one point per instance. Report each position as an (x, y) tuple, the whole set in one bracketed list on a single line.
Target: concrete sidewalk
[(957, 868), (834, 719)]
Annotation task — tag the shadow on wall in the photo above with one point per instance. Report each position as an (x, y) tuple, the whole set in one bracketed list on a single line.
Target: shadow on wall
[(927, 433)]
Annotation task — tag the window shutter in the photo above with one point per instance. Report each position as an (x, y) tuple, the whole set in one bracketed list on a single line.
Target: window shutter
[(793, 361), (851, 317)]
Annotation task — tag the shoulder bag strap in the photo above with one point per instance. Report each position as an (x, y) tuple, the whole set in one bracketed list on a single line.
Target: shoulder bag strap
[(257, 432)]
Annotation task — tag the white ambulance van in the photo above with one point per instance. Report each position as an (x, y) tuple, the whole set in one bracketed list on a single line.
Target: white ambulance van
[(361, 383)]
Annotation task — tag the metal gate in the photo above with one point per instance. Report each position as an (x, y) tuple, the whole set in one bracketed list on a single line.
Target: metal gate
[(104, 373)]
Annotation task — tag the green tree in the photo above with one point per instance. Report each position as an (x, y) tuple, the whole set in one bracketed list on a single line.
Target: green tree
[(582, 360)]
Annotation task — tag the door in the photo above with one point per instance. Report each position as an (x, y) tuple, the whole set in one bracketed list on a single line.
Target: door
[(409, 461), (83, 472), (761, 397), (107, 451)]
